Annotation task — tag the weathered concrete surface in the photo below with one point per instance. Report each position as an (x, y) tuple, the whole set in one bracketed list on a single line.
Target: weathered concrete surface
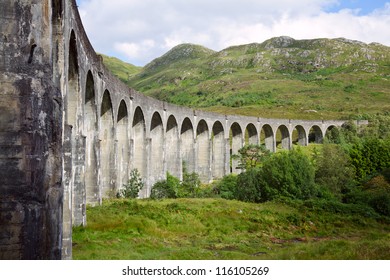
[(70, 132), (30, 135)]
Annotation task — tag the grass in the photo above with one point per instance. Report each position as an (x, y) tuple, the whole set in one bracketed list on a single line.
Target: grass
[(220, 229)]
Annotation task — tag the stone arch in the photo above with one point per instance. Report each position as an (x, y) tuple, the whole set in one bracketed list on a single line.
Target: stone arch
[(251, 135), (203, 151), (91, 151), (138, 141), (299, 136), (267, 137), (332, 134), (218, 151), (107, 144), (315, 134), (187, 145), (283, 137), (172, 151), (72, 104), (236, 143), (156, 149), (123, 151)]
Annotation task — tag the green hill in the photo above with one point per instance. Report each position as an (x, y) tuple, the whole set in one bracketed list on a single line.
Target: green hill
[(280, 78), (119, 68)]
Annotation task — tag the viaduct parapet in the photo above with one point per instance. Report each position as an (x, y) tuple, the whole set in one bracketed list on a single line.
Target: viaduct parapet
[(71, 132)]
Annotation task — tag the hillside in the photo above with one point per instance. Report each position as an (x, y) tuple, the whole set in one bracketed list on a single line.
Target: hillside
[(119, 68), (280, 78)]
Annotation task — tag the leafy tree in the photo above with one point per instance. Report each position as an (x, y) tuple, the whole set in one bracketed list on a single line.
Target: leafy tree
[(251, 156), (370, 156), (133, 186), (287, 174), (334, 170), (189, 187)]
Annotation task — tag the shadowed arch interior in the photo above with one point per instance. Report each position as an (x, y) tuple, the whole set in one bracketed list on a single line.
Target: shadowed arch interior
[(236, 143), (251, 134), (315, 135), (203, 151), (299, 136), (187, 145), (218, 151), (91, 152), (107, 158), (139, 142), (123, 150), (283, 139), (267, 137), (172, 148), (72, 105), (157, 149)]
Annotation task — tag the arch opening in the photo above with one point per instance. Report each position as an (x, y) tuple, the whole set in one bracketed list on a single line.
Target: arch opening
[(315, 135), (139, 144), (203, 151), (91, 152), (267, 138), (251, 135), (157, 149), (187, 146), (107, 164), (123, 144), (299, 136), (173, 148), (72, 106), (236, 143), (283, 140), (218, 151)]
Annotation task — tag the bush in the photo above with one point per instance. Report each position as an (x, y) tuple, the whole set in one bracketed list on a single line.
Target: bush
[(166, 188), (247, 187), (133, 186), (334, 171), (190, 186), (227, 187), (287, 174)]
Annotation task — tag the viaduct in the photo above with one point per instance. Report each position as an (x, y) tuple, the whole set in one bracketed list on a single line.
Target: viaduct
[(70, 132)]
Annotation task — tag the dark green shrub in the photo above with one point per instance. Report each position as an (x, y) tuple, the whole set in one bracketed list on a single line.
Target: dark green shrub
[(166, 188), (227, 187), (370, 156), (287, 174), (247, 187)]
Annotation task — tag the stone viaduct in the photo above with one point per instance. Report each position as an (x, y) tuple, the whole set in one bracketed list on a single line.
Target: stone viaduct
[(71, 132)]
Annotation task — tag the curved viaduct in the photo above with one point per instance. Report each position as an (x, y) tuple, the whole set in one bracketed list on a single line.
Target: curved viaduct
[(91, 130)]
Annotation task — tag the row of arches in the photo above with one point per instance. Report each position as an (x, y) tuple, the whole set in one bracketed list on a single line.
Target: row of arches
[(113, 133)]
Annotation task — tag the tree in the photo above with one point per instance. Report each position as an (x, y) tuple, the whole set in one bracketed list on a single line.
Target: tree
[(133, 186), (287, 174), (334, 170), (251, 156)]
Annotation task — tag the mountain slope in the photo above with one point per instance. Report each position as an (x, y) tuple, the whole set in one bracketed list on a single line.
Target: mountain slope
[(280, 78), (119, 68)]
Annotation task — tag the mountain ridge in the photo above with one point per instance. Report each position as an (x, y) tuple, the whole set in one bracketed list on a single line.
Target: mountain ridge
[(281, 77)]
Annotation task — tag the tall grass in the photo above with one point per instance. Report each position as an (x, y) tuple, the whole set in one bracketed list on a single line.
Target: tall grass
[(221, 229)]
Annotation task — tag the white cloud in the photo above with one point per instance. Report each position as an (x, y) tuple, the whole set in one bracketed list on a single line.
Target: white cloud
[(139, 31)]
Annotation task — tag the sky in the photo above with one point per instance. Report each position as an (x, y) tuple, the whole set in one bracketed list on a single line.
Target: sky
[(138, 31)]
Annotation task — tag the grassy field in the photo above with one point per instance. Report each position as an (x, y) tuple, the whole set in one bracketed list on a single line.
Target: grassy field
[(221, 229)]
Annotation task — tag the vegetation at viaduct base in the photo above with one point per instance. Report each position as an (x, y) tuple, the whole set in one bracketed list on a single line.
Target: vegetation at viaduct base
[(329, 201)]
